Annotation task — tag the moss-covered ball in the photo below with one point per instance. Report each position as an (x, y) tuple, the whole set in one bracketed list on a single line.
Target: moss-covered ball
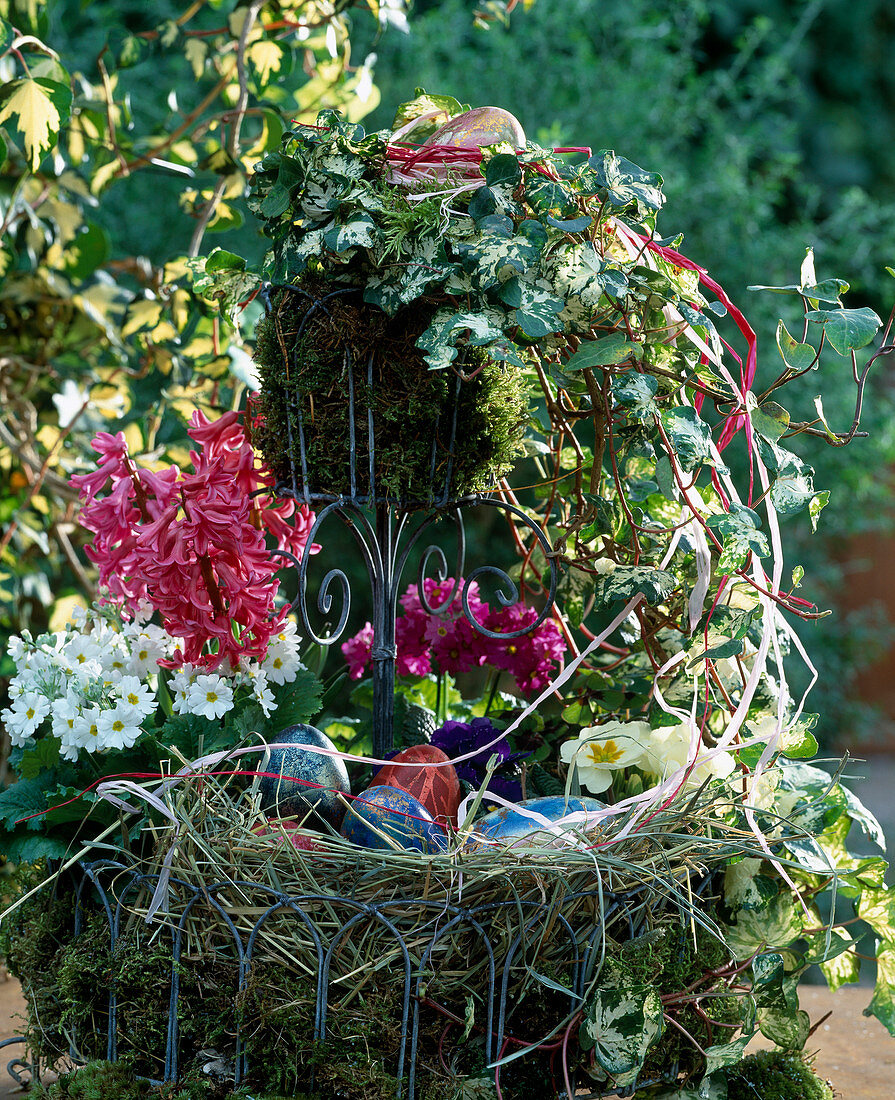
[(437, 435), (775, 1075)]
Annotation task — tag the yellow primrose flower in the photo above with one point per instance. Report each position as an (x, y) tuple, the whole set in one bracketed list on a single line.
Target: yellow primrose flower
[(599, 751)]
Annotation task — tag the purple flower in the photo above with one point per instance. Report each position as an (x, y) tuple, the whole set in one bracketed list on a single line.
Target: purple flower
[(459, 738)]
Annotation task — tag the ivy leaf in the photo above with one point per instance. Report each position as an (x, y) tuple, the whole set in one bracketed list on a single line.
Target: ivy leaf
[(439, 339), (360, 232), (536, 309), (777, 925), (796, 356), (38, 107), (882, 1006), (725, 634), (571, 225), (799, 743), (770, 420), (741, 531), (626, 581), (503, 171), (607, 351), (621, 1024), (690, 436), (635, 393), (786, 1028), (847, 329), (625, 183), (829, 291)]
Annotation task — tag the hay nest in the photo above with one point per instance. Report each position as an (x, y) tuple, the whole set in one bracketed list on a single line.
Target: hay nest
[(296, 966), (437, 435)]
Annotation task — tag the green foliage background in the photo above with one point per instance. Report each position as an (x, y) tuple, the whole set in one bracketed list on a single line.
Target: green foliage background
[(768, 121)]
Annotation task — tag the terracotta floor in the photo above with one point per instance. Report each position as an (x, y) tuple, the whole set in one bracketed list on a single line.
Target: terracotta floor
[(855, 1052)]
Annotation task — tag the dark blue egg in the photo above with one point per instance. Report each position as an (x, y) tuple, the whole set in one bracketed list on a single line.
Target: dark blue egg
[(304, 782), (508, 826), (397, 814)]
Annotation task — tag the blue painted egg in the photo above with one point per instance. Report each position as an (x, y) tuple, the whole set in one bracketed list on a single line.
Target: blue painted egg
[(397, 814), (507, 826), (302, 782)]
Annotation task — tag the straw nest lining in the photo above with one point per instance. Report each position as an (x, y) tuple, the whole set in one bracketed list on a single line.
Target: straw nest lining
[(431, 966)]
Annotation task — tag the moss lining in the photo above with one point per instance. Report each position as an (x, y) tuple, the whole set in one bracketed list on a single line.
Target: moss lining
[(412, 406)]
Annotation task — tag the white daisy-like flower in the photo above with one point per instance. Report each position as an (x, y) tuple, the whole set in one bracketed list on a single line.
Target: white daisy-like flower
[(599, 751), (82, 649), (85, 732), (118, 728), (25, 716), (179, 686), (263, 694), (210, 696), (66, 713), (133, 694), (147, 647), (282, 661)]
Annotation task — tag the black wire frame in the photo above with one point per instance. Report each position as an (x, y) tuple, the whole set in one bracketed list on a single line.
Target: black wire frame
[(107, 886)]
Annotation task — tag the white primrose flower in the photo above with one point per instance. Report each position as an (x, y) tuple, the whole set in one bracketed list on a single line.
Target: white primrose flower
[(148, 645), (66, 713), (263, 694), (282, 662), (82, 649), (134, 696), (179, 686), (210, 696), (599, 751), (118, 728), (84, 733), (25, 716), (667, 749)]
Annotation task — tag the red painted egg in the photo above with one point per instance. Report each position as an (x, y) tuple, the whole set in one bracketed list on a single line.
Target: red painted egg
[(274, 831), (438, 789), (478, 127)]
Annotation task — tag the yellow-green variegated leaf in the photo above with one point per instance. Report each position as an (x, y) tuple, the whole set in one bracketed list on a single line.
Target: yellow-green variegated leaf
[(37, 108)]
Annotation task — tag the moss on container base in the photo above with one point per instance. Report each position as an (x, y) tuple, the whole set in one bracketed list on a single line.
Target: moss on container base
[(420, 453)]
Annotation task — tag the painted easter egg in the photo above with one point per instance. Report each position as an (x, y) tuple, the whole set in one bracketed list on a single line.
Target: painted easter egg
[(437, 788), (303, 784), (397, 814), (478, 127), (508, 827), (275, 828)]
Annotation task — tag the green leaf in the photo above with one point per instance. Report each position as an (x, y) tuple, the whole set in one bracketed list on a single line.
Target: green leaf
[(635, 393), (829, 291), (503, 171), (770, 420), (606, 351), (361, 231), (690, 436), (38, 108), (22, 800), (796, 356), (740, 529), (882, 1006), (847, 329), (724, 1054), (7, 35), (777, 925), (88, 251), (275, 202), (799, 743), (626, 581), (39, 757), (571, 225), (297, 702), (785, 1027), (220, 259), (625, 183), (537, 309), (621, 1024), (29, 848)]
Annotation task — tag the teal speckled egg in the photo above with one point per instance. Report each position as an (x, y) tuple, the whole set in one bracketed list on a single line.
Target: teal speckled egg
[(507, 826), (300, 781), (397, 814)]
